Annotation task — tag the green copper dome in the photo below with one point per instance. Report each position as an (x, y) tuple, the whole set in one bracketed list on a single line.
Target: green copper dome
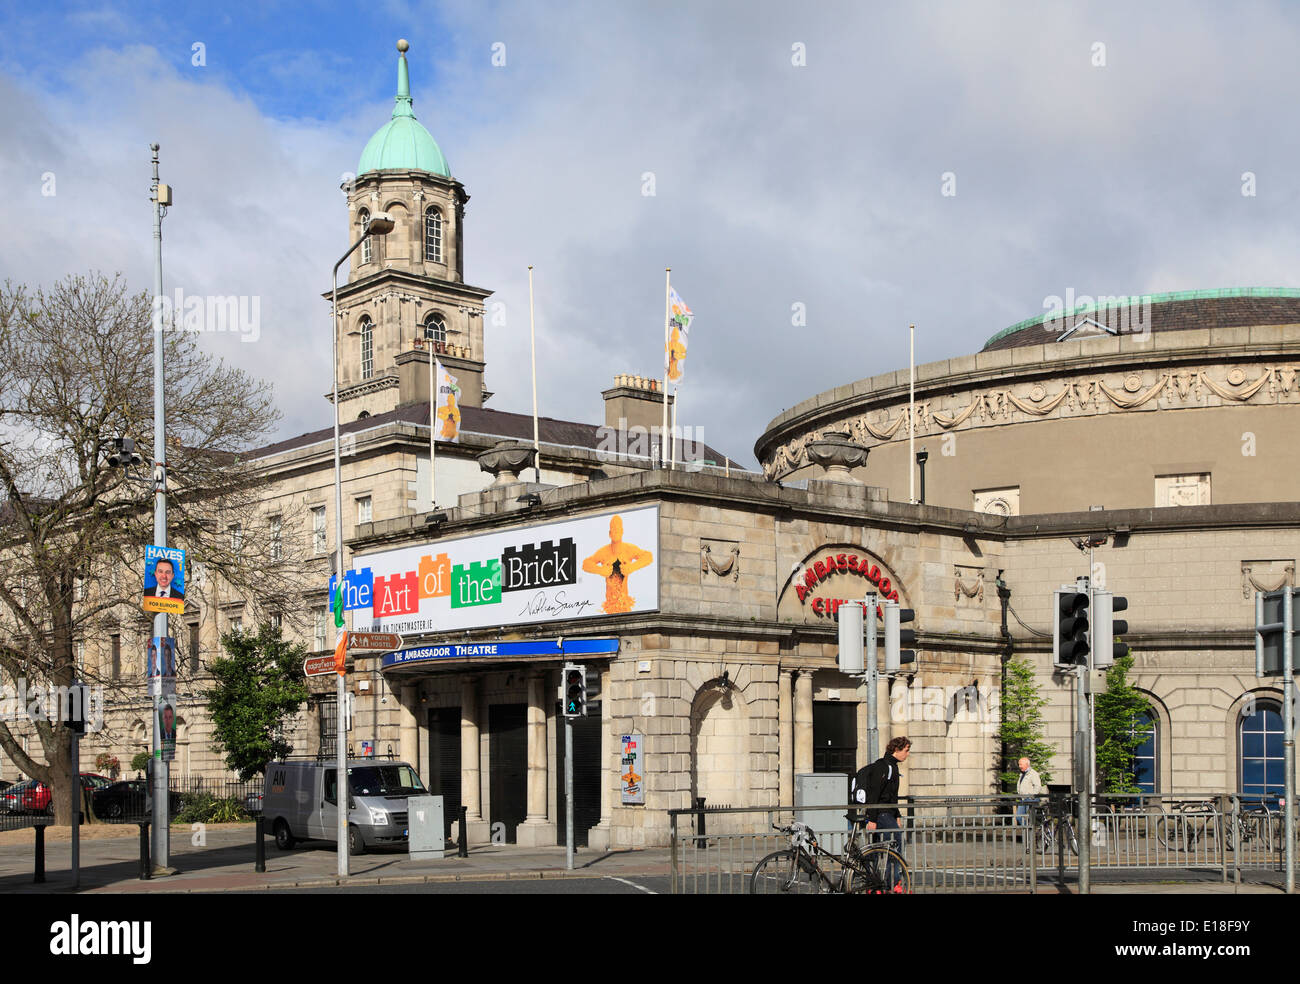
[(403, 144)]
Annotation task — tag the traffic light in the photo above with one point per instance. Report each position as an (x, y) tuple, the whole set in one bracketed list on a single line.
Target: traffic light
[(575, 691), (896, 637), (1105, 627), (850, 637), (1070, 628)]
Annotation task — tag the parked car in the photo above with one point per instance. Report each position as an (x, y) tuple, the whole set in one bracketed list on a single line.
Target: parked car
[(131, 799), (11, 799), (37, 799)]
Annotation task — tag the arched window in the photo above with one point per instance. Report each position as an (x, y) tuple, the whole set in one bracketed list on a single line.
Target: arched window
[(364, 217), (367, 348), (435, 329), (433, 234), (1146, 763), (1259, 736)]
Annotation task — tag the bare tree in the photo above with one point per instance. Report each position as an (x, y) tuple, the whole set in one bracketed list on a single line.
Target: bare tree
[(76, 372)]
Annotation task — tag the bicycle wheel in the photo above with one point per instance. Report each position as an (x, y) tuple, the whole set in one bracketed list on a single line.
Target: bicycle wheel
[(1046, 836), (776, 875), (1168, 830), (877, 871), (1071, 838)]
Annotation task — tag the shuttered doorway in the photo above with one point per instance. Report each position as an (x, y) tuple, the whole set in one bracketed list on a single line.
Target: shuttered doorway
[(444, 762), (508, 763)]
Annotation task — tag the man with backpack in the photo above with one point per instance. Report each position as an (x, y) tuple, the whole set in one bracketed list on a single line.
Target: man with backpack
[(877, 784)]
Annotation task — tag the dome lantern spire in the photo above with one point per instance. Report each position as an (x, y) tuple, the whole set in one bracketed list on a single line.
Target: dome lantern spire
[(403, 144), (404, 104)]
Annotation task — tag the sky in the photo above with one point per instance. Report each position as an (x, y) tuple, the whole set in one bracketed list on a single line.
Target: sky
[(818, 176)]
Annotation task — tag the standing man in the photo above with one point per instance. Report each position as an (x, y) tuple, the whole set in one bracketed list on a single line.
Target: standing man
[(877, 784), (1028, 787)]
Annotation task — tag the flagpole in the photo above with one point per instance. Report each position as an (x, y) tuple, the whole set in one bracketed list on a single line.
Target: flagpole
[(911, 416), (663, 433), (532, 334), (433, 423), (672, 431)]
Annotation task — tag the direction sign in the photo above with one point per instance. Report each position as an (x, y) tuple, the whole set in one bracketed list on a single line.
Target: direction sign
[(318, 665), (373, 642)]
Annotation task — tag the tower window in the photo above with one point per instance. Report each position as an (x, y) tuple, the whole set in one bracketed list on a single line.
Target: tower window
[(435, 329), (433, 235), (366, 255), (367, 349)]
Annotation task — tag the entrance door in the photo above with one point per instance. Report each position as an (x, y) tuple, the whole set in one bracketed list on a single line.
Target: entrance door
[(508, 763), (444, 762), (835, 737), (587, 734)]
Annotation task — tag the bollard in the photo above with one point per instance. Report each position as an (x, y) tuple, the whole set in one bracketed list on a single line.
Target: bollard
[(40, 853), (701, 828), (260, 863), (462, 839), (146, 871)]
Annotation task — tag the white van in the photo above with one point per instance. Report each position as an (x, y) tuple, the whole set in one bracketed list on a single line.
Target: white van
[(300, 802)]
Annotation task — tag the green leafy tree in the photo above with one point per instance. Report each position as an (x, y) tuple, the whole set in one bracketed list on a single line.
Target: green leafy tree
[(259, 682), (1119, 721), (1022, 724)]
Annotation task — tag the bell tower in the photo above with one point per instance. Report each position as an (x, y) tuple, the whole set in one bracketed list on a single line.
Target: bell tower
[(409, 283)]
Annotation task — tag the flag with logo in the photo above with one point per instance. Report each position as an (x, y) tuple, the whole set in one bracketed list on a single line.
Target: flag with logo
[(676, 336), (448, 405)]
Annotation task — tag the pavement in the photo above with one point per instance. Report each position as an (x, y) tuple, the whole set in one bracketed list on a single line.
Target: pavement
[(220, 858)]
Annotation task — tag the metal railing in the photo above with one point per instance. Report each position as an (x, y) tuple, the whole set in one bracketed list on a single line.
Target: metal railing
[(978, 844), (951, 844)]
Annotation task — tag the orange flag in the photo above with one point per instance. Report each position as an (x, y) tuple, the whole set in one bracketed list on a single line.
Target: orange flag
[(340, 654)]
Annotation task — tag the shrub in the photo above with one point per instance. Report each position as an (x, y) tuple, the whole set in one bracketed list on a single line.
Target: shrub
[(206, 808)]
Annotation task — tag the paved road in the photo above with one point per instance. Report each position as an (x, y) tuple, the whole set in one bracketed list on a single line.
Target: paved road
[(607, 885)]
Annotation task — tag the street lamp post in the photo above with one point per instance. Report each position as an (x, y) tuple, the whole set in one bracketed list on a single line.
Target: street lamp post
[(380, 224)]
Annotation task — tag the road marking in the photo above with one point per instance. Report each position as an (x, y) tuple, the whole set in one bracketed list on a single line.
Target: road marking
[(648, 891)]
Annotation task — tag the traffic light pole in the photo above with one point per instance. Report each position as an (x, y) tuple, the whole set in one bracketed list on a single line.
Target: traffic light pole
[(872, 676), (568, 793), (1084, 833)]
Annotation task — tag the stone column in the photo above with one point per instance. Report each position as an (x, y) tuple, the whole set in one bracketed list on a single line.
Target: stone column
[(785, 739), (536, 830), (598, 837), (470, 794), (803, 723), (408, 728)]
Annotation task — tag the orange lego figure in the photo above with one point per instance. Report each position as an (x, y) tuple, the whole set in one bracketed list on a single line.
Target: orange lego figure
[(676, 353), (450, 416), (615, 562)]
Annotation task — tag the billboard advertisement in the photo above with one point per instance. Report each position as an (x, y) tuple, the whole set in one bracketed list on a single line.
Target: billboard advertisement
[(576, 568)]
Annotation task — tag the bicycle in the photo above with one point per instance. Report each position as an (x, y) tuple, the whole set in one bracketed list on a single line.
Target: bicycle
[(1051, 827), (1180, 830), (796, 871)]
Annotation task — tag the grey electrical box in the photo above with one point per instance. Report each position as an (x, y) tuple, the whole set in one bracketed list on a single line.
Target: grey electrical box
[(823, 789), (427, 839)]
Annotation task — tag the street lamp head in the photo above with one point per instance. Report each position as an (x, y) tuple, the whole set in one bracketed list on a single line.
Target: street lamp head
[(922, 456), (380, 224)]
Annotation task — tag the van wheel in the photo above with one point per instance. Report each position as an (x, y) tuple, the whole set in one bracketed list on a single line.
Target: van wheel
[(355, 844), (283, 836)]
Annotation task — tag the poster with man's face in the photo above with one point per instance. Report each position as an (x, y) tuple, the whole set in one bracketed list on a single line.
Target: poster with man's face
[(167, 729), (164, 580)]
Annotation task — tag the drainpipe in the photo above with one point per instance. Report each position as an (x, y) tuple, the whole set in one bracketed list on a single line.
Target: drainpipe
[(1008, 650)]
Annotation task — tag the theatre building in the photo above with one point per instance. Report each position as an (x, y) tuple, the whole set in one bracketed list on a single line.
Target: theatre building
[(1155, 454)]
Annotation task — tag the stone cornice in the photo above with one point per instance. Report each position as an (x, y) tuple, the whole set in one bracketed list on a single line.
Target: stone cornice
[(1004, 382), (414, 282), (829, 502)]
